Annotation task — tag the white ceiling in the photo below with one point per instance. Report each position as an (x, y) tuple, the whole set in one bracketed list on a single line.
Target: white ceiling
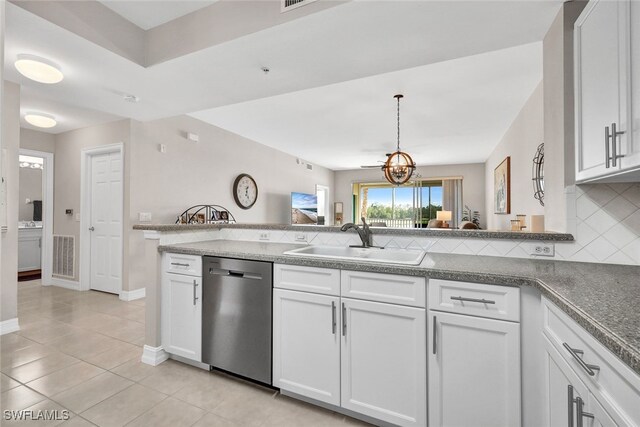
[(348, 42), (453, 112), (68, 116), (147, 14)]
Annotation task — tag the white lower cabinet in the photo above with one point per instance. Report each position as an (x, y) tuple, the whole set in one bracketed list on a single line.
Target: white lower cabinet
[(364, 356), (474, 371), (182, 315), (306, 344), (383, 361), (608, 389), (561, 385), (569, 401)]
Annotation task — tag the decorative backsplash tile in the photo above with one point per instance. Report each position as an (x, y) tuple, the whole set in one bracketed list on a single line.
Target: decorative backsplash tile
[(606, 230)]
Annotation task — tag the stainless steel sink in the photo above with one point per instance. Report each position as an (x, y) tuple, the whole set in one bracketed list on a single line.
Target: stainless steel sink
[(392, 256)]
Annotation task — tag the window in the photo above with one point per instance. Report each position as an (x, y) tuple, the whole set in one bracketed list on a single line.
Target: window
[(407, 206)]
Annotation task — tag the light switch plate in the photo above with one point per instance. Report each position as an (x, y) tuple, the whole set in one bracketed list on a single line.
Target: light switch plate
[(144, 216), (78, 217)]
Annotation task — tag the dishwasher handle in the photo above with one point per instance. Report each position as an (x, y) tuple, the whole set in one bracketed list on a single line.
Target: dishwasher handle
[(233, 273)]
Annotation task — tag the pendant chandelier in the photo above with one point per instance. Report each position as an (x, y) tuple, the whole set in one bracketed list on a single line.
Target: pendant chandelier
[(399, 165)]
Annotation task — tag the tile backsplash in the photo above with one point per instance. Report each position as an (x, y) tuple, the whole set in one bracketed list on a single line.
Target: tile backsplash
[(606, 230)]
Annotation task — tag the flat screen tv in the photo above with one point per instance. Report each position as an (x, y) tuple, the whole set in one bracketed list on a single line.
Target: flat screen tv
[(304, 209)]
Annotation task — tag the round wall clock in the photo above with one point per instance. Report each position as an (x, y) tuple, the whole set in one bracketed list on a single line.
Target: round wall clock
[(245, 191)]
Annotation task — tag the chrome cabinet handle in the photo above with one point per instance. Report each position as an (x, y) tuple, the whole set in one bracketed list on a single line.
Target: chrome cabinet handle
[(195, 285), (433, 337), (180, 264), (607, 154), (580, 414), (480, 300), (344, 320), (586, 366), (614, 146), (333, 317), (570, 404)]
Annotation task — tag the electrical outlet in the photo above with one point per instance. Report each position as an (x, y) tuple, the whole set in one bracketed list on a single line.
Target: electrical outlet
[(144, 216), (263, 236), (543, 249), (301, 237)]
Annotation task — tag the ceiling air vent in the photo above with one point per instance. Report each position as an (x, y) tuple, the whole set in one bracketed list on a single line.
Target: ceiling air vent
[(288, 5)]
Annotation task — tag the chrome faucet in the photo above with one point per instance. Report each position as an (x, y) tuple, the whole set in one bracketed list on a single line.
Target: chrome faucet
[(364, 232)]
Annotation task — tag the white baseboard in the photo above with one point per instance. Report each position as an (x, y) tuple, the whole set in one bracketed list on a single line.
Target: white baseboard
[(134, 294), (65, 283), (9, 325), (153, 355)]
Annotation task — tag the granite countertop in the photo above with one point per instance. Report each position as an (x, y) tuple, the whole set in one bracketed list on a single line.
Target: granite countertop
[(602, 298), (435, 232)]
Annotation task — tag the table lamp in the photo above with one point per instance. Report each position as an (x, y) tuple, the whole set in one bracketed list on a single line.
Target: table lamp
[(444, 216)]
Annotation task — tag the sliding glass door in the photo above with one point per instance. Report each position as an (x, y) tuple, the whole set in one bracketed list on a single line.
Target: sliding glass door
[(408, 206)]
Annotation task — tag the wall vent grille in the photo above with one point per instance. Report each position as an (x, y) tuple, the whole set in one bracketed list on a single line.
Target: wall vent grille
[(63, 255), (288, 5)]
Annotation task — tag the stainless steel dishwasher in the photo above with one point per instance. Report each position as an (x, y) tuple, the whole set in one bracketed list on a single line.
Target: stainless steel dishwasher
[(236, 316)]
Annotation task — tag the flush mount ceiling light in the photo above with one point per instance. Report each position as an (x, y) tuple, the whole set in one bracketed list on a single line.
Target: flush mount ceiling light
[(38, 69), (399, 165), (40, 120)]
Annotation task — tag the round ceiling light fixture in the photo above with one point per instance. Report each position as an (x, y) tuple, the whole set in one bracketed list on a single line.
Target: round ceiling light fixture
[(40, 120), (38, 69), (399, 165)]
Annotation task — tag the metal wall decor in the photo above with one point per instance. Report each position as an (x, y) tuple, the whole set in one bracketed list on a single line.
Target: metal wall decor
[(206, 214), (399, 165), (537, 174)]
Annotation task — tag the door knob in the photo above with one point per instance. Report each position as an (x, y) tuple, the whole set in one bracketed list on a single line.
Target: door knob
[(91, 228)]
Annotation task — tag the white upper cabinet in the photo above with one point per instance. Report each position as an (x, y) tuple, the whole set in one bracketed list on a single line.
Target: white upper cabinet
[(603, 80)]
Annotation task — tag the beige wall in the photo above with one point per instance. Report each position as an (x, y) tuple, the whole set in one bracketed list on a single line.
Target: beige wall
[(520, 143), (189, 173), (9, 260), (68, 148), (472, 183), (38, 141), (30, 188), (559, 117)]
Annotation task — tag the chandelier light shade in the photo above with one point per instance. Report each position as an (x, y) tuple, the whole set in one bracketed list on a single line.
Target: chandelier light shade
[(399, 166)]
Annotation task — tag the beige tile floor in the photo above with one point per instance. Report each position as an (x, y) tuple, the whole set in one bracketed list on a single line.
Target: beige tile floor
[(80, 351)]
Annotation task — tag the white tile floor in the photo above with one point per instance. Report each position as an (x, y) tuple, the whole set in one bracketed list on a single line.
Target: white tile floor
[(80, 351)]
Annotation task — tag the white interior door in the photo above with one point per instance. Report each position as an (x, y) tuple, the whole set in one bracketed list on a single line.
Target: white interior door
[(105, 223)]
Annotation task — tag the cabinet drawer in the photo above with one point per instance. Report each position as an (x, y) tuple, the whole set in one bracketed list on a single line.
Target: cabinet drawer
[(190, 265), (307, 279), (475, 299), (405, 290), (615, 384)]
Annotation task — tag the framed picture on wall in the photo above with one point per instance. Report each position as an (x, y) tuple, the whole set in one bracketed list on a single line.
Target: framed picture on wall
[(502, 187)]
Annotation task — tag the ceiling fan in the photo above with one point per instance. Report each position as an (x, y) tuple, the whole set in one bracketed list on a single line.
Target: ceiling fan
[(375, 166)]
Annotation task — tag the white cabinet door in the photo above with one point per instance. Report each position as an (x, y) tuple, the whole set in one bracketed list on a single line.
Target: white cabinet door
[(182, 315), (601, 86), (306, 344), (558, 378), (29, 251), (474, 371), (632, 155), (384, 361)]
